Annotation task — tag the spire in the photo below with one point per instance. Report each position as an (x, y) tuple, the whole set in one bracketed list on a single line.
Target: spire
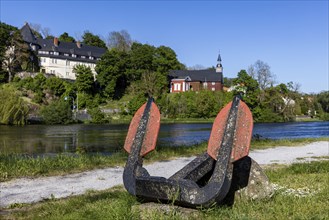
[(219, 59), (219, 67)]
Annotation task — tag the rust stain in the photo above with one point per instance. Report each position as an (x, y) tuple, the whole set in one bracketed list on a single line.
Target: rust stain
[(243, 133), (152, 130)]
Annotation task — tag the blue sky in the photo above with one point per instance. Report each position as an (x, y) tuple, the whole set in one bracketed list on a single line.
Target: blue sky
[(290, 36)]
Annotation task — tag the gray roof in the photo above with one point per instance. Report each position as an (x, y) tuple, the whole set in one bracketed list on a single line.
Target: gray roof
[(209, 75), (62, 47), (70, 48), (27, 34)]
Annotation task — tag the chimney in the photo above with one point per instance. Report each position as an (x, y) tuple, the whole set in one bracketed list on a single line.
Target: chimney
[(78, 44), (56, 41)]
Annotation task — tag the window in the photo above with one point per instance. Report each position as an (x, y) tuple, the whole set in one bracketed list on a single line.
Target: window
[(66, 54), (56, 53), (67, 62), (205, 85), (91, 58), (212, 89), (67, 73), (73, 55), (83, 57), (53, 60), (213, 83), (177, 86)]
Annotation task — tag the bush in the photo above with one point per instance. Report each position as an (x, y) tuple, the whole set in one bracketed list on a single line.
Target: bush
[(58, 112), (97, 116), (13, 109)]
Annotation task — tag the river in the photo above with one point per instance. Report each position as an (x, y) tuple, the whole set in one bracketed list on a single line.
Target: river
[(41, 139)]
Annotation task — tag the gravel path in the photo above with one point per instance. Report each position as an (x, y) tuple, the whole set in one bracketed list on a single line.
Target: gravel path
[(25, 190)]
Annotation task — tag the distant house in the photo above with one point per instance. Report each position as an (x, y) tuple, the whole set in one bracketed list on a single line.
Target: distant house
[(59, 58), (196, 80)]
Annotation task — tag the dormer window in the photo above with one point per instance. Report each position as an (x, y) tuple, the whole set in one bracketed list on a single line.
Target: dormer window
[(66, 54), (74, 55), (83, 57), (91, 58), (56, 53)]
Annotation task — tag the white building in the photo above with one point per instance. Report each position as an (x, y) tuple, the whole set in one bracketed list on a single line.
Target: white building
[(59, 58)]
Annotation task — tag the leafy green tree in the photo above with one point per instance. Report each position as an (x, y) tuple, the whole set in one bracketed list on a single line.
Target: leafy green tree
[(246, 83), (13, 109), (140, 60), (55, 86), (228, 82), (323, 99), (165, 59), (65, 37), (84, 78), (57, 112), (111, 73), (93, 40)]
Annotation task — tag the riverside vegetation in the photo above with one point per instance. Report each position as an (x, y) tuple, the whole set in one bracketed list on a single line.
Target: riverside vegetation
[(127, 73), (17, 165)]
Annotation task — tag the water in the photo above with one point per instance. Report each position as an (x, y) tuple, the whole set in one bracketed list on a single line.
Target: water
[(40, 139)]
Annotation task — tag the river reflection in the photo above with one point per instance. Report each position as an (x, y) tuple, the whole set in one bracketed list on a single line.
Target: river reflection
[(40, 139)]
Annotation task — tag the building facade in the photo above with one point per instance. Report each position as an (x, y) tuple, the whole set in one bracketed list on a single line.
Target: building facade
[(196, 80), (59, 58)]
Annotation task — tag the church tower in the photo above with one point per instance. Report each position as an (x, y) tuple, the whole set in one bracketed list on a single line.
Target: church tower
[(219, 67)]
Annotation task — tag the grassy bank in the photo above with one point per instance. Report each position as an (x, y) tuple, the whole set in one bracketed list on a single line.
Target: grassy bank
[(302, 192), (14, 165)]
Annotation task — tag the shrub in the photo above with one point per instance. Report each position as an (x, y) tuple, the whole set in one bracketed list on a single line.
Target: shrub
[(58, 112), (13, 109)]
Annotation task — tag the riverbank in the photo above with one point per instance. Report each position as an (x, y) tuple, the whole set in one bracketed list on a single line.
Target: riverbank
[(26, 190), (18, 165)]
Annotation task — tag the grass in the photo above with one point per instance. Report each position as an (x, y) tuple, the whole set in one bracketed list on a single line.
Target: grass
[(302, 192), (15, 165)]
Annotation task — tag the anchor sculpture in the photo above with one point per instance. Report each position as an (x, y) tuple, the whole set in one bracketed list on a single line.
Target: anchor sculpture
[(205, 180)]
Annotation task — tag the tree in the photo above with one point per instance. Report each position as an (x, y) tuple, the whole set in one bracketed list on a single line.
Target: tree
[(323, 99), (120, 40), (165, 59), (46, 32), (93, 40), (17, 52), (65, 37), (111, 75), (261, 72), (84, 78), (13, 109), (58, 112), (5, 35), (55, 86), (140, 60)]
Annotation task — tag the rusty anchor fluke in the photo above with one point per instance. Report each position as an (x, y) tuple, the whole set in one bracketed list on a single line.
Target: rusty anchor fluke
[(205, 180)]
